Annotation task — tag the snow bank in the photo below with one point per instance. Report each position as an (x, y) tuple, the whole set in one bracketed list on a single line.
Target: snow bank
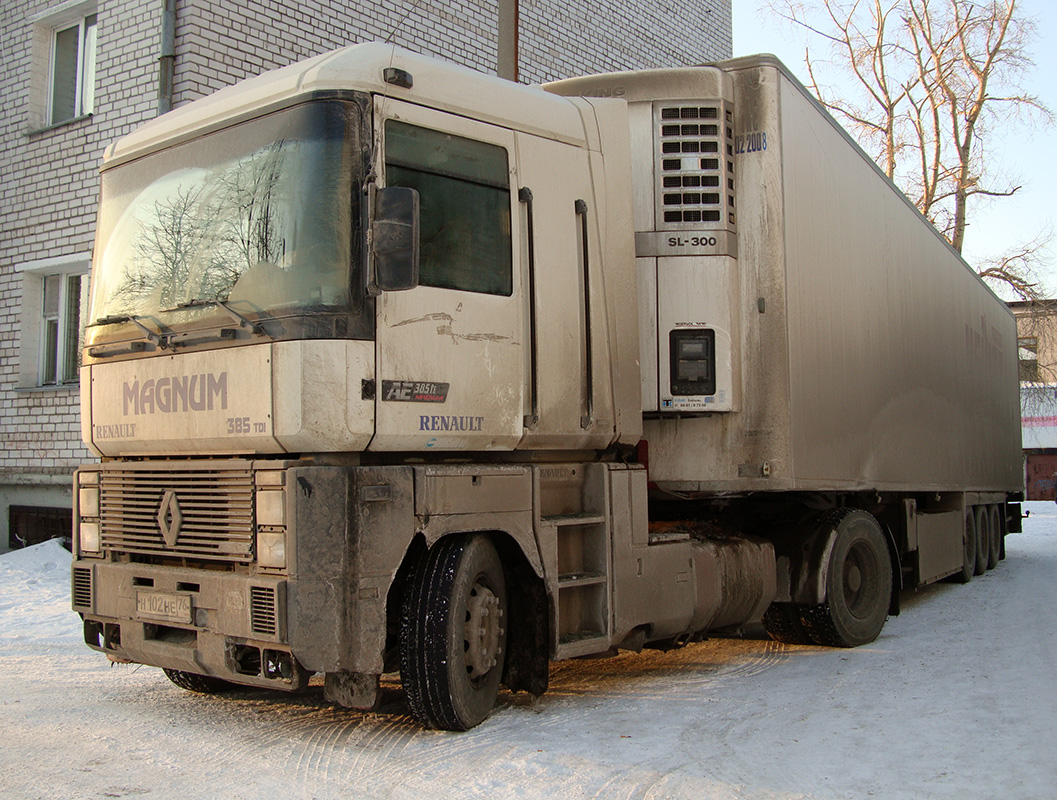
[(35, 595), (38, 558), (954, 700)]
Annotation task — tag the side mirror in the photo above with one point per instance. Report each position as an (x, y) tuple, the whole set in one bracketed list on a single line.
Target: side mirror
[(394, 239)]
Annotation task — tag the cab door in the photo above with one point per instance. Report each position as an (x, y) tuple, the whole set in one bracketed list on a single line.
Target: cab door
[(450, 353)]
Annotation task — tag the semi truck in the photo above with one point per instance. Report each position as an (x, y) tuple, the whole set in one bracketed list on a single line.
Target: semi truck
[(392, 366)]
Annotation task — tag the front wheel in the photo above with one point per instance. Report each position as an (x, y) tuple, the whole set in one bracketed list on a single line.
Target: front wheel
[(202, 684), (453, 634), (858, 583)]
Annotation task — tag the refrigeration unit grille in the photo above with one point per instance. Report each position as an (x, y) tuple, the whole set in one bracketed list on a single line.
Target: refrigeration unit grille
[(696, 160)]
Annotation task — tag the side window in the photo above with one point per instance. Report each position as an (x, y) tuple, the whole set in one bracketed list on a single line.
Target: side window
[(464, 191)]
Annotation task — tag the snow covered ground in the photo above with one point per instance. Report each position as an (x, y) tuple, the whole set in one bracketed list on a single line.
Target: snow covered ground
[(957, 699)]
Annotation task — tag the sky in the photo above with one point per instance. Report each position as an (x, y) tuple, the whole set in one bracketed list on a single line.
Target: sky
[(1028, 155)]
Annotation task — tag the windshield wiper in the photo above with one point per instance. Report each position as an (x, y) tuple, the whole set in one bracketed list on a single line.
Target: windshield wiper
[(205, 302), (154, 337)]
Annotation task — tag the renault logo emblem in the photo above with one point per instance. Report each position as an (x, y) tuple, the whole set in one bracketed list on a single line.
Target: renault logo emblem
[(170, 518)]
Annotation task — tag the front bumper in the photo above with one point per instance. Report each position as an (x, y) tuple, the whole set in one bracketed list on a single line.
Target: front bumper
[(228, 626)]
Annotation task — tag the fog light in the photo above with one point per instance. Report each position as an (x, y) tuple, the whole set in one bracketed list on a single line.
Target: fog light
[(271, 549), (88, 537)]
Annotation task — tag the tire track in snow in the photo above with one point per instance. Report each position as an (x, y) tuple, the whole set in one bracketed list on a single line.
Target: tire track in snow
[(386, 748), (678, 674), (322, 744)]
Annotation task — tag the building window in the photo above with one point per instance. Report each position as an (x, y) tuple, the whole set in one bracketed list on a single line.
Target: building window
[(60, 329), (62, 67), (72, 83), (1028, 357), (54, 300)]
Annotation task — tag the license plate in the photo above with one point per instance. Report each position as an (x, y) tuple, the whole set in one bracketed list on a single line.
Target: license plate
[(164, 606)]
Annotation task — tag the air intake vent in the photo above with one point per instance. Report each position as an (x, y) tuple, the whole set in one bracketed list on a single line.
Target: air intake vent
[(695, 151), (82, 587), (264, 610)]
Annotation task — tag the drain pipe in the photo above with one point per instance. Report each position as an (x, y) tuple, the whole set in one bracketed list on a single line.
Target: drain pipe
[(167, 56), (507, 51)]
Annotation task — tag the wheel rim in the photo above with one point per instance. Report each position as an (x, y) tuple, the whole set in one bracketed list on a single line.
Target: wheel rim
[(481, 631), (859, 580)]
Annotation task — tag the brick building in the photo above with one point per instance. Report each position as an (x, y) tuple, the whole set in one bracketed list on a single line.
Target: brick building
[(1037, 356), (75, 75)]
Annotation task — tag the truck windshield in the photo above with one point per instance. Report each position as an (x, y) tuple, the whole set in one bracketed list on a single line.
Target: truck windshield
[(259, 220)]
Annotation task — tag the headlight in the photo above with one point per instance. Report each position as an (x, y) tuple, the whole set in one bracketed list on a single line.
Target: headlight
[(88, 540), (271, 507), (88, 501)]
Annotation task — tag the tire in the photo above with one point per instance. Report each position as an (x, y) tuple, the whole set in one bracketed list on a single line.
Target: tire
[(968, 549), (858, 583), (452, 639), (994, 554), (782, 623), (983, 539), (202, 684)]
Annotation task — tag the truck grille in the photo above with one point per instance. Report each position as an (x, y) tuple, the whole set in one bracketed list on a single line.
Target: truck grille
[(204, 513), (696, 175)]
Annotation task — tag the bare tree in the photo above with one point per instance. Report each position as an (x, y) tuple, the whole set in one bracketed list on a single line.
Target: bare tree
[(198, 238), (938, 81)]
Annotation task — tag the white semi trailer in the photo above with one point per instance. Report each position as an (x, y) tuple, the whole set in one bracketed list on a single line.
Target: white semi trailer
[(396, 366)]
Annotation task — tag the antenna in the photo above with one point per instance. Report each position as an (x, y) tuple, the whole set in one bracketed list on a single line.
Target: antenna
[(401, 21)]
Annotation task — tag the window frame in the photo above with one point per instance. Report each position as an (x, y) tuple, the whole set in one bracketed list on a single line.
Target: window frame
[(1028, 368), (46, 27), (84, 68), (440, 175), (60, 369)]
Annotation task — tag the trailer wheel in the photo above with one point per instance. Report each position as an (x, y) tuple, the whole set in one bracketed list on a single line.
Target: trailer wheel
[(995, 551), (968, 549), (858, 583), (452, 635), (202, 684), (782, 623), (983, 539)]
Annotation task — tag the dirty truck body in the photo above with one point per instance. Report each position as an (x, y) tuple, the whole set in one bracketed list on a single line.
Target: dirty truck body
[(641, 357)]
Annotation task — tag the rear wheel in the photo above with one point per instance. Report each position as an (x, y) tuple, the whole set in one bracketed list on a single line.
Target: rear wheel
[(968, 549), (983, 539), (858, 583), (193, 682), (782, 623), (452, 634), (995, 551)]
